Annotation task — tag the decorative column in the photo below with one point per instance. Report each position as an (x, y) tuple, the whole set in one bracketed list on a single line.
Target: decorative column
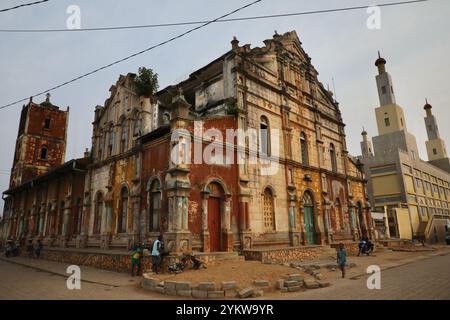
[(66, 221), (226, 216), (107, 216), (135, 211), (178, 236), (295, 235), (205, 231), (369, 221), (82, 239), (353, 225), (326, 220), (320, 223)]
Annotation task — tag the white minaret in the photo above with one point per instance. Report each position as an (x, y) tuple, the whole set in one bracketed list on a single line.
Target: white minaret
[(384, 83), (390, 117), (435, 145), (366, 145)]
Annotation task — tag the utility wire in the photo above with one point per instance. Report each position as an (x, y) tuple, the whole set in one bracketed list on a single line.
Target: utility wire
[(201, 22), (23, 5), (132, 55)]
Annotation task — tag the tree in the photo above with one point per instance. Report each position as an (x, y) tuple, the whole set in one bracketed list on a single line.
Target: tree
[(146, 83)]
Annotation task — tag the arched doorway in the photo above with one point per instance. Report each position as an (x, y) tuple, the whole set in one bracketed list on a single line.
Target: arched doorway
[(308, 215), (215, 204)]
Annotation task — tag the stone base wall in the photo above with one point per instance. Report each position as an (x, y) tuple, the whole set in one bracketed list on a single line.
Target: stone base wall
[(284, 255), (351, 247)]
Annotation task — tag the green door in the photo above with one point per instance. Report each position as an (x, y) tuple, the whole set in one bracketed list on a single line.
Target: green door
[(309, 225)]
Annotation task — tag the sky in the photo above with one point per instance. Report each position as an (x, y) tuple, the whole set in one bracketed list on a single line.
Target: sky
[(414, 39)]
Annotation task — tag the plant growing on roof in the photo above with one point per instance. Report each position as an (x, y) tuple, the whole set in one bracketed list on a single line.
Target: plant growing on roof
[(146, 82)]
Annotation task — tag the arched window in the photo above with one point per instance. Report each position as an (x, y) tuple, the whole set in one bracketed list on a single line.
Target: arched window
[(98, 212), (154, 195), (44, 153), (123, 214), (333, 158), (123, 136), (307, 199), (137, 125), (268, 210), (264, 137), (304, 148), (111, 139)]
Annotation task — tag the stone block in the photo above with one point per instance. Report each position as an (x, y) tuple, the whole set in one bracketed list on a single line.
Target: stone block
[(151, 282), (184, 293), (294, 289), (183, 286), (261, 283), (258, 293), (159, 290), (216, 294), (311, 284), (291, 283), (170, 291), (206, 286), (245, 293), (227, 285), (170, 285), (284, 289), (295, 277), (232, 293), (200, 294)]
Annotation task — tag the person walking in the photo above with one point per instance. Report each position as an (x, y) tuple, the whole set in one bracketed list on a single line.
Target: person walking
[(37, 249), (136, 260), (342, 258), (156, 255)]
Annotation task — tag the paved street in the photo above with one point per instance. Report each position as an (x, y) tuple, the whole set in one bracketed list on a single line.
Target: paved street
[(424, 278), (19, 282)]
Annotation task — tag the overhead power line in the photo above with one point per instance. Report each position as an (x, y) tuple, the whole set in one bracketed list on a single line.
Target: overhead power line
[(220, 19), (132, 55), (23, 5), (174, 24)]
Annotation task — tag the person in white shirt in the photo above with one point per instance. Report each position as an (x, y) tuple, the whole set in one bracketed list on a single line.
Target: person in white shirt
[(156, 254)]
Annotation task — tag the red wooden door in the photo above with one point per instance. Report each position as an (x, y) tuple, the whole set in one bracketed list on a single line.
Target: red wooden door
[(214, 223)]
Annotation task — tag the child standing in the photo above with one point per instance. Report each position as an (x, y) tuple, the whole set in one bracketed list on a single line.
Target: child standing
[(136, 260), (342, 258)]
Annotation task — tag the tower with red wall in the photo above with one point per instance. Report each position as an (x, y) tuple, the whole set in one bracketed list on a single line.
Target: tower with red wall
[(41, 141)]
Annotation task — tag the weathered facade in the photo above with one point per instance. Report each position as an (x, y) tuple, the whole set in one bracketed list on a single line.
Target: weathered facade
[(48, 207), (249, 151)]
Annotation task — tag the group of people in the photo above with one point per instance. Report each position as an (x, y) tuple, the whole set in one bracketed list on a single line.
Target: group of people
[(33, 249), (157, 252)]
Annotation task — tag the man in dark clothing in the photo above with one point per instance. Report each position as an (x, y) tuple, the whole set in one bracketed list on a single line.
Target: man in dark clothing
[(37, 249), (342, 258)]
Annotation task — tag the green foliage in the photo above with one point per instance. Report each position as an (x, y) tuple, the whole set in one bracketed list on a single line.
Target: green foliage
[(146, 83), (232, 107)]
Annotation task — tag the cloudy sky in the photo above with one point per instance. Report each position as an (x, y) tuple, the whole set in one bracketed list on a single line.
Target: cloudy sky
[(415, 40)]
